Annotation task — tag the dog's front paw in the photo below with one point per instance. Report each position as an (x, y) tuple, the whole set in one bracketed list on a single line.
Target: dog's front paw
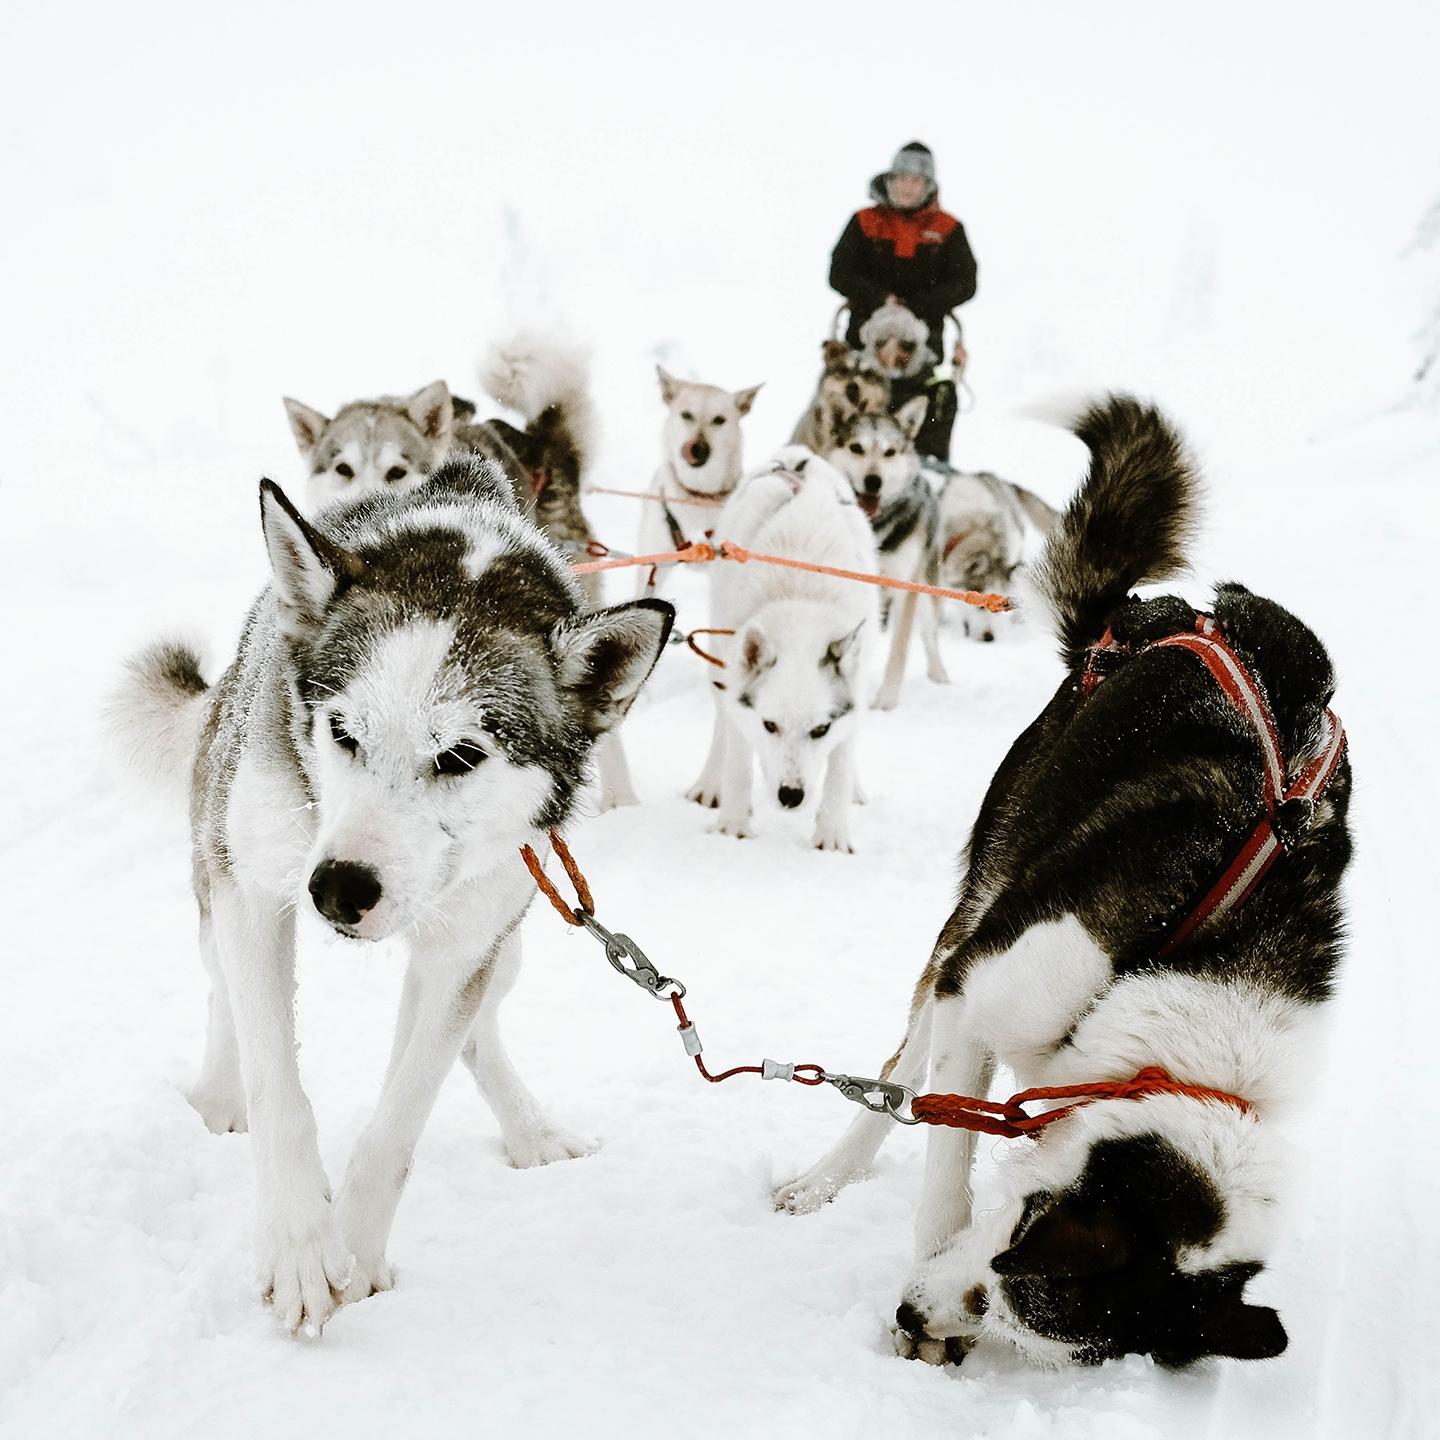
[(805, 1194), (222, 1114), (304, 1267), (616, 797), (736, 825), (705, 791), (833, 837), (367, 1278), (887, 699), (545, 1147), (938, 674)]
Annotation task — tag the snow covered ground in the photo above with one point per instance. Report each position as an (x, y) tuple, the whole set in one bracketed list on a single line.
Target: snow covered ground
[(211, 210)]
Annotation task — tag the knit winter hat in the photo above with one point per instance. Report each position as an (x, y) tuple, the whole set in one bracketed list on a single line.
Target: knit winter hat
[(911, 159), (914, 159)]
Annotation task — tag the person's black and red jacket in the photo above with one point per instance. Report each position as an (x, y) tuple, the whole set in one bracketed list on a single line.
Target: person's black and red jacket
[(920, 255)]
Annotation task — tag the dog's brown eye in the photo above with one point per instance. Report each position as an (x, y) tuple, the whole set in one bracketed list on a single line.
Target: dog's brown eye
[(395, 472), (856, 448), (343, 469), (771, 728), (718, 420), (342, 737), (820, 731), (686, 415), (459, 759), (889, 453)]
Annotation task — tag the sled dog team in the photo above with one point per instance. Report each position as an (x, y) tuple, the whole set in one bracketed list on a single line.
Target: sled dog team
[(418, 694)]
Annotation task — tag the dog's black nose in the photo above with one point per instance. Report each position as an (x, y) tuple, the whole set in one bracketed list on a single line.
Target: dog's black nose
[(872, 484), (791, 796), (343, 891), (699, 452)]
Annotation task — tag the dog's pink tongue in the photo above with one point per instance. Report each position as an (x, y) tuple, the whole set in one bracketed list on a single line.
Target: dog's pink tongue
[(869, 503)]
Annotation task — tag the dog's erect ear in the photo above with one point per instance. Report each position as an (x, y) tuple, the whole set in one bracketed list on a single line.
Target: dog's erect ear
[(307, 425), (911, 415), (835, 353), (744, 399), (603, 658), (309, 570), (433, 413), (756, 653), (670, 387), (844, 652), (1071, 1238)]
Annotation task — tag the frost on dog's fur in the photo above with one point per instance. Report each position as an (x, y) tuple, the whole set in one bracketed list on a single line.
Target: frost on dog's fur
[(1129, 1226), (415, 697)]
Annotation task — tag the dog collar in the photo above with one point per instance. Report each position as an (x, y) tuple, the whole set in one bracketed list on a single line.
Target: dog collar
[(698, 494)]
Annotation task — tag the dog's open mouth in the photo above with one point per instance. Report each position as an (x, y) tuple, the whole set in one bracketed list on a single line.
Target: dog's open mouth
[(869, 504)]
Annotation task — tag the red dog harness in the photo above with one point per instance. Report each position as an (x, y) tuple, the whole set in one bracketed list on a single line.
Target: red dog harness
[(1235, 885)]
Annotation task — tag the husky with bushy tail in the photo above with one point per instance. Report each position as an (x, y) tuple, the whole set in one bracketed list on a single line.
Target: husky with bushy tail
[(1131, 1225)]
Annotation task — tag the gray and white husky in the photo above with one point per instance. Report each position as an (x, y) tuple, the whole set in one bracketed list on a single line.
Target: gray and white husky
[(877, 454), (702, 460), (1131, 1225), (896, 342), (982, 539), (389, 443), (796, 666), (415, 697), (393, 444)]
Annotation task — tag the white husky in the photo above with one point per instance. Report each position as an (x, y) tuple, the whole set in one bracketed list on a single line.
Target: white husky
[(701, 463), (791, 692)]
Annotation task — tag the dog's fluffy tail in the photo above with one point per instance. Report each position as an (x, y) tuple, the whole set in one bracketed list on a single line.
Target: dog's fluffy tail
[(156, 714), (547, 382), (1130, 522)]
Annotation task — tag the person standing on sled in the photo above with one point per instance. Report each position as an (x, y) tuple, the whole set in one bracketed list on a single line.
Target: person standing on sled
[(906, 249)]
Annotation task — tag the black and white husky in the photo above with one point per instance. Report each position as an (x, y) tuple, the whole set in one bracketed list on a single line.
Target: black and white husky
[(1132, 1225), (877, 454), (415, 697)]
